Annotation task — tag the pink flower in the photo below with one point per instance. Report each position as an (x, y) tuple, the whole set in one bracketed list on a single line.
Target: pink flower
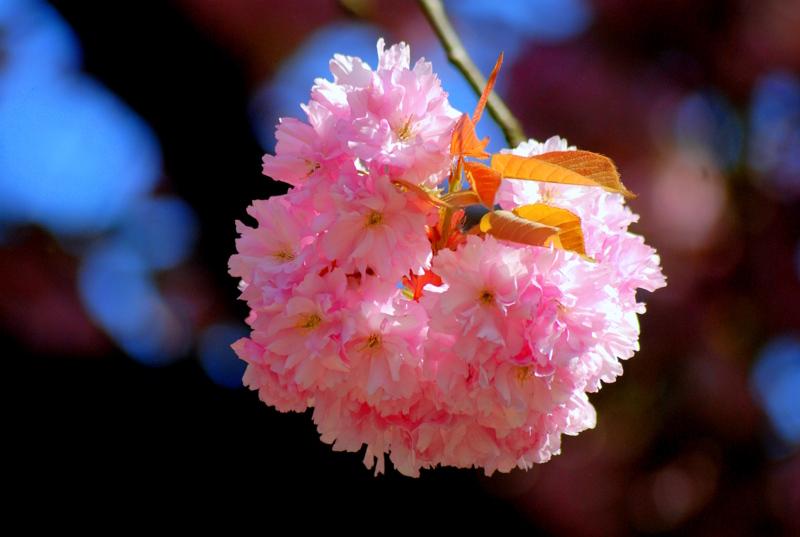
[(372, 226), (305, 153), (395, 116), (386, 350), (483, 304), (489, 359), (277, 254), (607, 289), (302, 340), (279, 244)]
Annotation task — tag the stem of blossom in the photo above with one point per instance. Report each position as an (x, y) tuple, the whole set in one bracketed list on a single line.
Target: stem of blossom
[(458, 56), (447, 223), (453, 183), (455, 177)]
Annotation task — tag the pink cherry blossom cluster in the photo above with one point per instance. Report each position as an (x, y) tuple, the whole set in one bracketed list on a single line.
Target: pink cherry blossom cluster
[(491, 361)]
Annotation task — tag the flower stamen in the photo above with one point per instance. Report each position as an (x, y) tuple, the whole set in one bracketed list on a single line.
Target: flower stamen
[(486, 298), (371, 343), (523, 373), (308, 323), (283, 254), (373, 219), (407, 131), (549, 195), (313, 166)]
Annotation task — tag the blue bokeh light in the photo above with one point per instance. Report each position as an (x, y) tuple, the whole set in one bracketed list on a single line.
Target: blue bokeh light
[(542, 19), (119, 294), (708, 121), (75, 159), (162, 230), (491, 27), (37, 44), (774, 123), (776, 382), (72, 156), (217, 358)]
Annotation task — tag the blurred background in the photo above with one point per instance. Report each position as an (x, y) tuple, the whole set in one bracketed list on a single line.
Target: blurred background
[(131, 136)]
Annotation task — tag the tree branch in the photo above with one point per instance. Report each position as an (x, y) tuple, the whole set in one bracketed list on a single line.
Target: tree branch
[(458, 56)]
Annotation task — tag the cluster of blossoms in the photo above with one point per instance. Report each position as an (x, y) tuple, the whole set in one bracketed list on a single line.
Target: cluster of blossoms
[(406, 330)]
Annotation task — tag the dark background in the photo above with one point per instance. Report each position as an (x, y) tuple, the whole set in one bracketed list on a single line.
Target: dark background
[(683, 446)]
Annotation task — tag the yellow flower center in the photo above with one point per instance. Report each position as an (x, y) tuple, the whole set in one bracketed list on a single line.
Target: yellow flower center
[(308, 322), (284, 254), (549, 195), (372, 343), (373, 219), (312, 166), (486, 298), (523, 373), (406, 132)]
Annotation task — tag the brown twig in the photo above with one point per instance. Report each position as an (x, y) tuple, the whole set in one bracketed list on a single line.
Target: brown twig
[(458, 56)]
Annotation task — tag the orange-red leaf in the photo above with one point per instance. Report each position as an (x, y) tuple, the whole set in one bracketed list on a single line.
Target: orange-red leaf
[(422, 193), (486, 91), (570, 234), (484, 180), (465, 142), (507, 226), (462, 198), (415, 283), (565, 167), (446, 233)]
